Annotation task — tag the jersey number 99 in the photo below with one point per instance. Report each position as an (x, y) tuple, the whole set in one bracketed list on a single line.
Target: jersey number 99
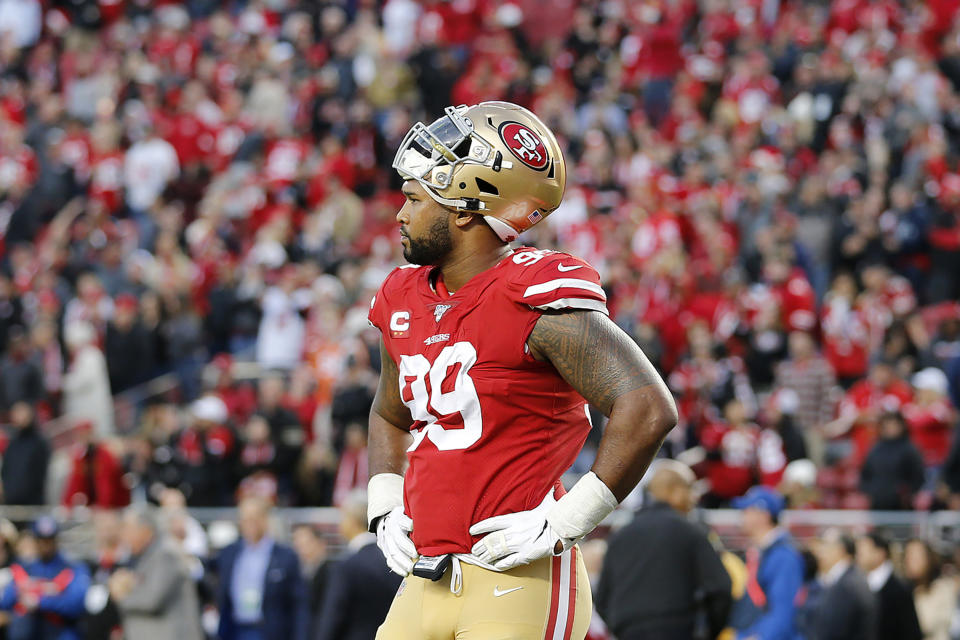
[(428, 401)]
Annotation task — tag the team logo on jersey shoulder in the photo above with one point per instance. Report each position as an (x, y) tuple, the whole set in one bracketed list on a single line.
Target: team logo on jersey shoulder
[(525, 145)]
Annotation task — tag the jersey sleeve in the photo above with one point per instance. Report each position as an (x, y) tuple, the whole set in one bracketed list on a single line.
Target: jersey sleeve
[(378, 303), (558, 282), (390, 292)]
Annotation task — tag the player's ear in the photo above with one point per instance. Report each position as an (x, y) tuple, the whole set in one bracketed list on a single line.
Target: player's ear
[(464, 218)]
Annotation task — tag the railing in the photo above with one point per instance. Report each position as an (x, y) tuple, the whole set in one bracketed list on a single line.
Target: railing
[(941, 528)]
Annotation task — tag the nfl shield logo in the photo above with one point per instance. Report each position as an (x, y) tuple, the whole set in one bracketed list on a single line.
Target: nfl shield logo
[(439, 310)]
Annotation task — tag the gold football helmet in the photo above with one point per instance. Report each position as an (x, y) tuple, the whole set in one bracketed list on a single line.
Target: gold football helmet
[(494, 158)]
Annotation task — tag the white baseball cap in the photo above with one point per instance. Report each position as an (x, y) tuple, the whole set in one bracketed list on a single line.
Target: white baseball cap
[(931, 379), (209, 408)]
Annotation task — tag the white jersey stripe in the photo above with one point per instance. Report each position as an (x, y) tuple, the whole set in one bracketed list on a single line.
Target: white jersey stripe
[(561, 283), (564, 604), (574, 303)]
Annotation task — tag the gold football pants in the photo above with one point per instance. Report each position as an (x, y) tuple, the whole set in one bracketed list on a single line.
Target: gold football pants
[(546, 600)]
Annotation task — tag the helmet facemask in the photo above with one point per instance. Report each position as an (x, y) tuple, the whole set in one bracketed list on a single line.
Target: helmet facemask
[(431, 154)]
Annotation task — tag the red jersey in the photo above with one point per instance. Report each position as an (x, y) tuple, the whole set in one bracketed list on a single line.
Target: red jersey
[(731, 469), (864, 396), (931, 428), (493, 427)]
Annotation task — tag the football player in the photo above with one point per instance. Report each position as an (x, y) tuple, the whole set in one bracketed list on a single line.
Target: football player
[(490, 356)]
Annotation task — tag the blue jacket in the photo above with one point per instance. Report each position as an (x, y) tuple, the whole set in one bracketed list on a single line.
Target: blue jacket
[(780, 576), (284, 606), (59, 611)]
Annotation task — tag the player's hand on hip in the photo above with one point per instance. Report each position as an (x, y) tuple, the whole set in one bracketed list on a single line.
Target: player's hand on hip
[(515, 539), (393, 538)]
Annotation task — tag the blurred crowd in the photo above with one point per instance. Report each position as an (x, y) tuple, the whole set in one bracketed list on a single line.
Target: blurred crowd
[(156, 573), (769, 189), (665, 574)]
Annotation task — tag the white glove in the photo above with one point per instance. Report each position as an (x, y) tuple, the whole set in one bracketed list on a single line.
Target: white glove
[(515, 539), (393, 538)]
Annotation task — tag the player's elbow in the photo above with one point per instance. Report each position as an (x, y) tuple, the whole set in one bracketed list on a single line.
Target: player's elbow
[(666, 416), (653, 407)]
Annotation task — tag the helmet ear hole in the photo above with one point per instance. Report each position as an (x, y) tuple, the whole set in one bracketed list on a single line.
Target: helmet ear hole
[(553, 170), (486, 187)]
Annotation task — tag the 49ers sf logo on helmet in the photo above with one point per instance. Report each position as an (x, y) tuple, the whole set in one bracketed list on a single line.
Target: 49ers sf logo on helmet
[(525, 144)]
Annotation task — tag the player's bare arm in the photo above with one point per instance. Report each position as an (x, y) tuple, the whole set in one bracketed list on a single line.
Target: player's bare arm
[(389, 422), (610, 371), (388, 440)]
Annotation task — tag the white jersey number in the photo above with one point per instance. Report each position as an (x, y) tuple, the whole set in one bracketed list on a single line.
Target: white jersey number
[(462, 398)]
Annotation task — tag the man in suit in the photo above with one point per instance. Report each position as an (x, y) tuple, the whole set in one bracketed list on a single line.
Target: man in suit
[(359, 588), (155, 597), (661, 570), (896, 613), (262, 594), (846, 609), (311, 548)]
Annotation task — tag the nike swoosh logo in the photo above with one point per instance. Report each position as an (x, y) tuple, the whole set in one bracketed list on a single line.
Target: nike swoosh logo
[(497, 593), (562, 267)]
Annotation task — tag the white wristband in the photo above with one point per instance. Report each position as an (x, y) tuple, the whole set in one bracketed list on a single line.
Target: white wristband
[(580, 511), (384, 492)]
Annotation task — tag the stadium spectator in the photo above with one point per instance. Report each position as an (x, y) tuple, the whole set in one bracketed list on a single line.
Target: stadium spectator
[(21, 380), (774, 570), (96, 474), (780, 415), (934, 594), (156, 597), (312, 550), (358, 592), (261, 595), (25, 459), (893, 471), (352, 472), (846, 608), (86, 384), (810, 376), (49, 356), (798, 484), (258, 458), (732, 448), (660, 569), (930, 416), (204, 454), (896, 614), (109, 555), (280, 339), (127, 346), (148, 167), (316, 474), (854, 430), (45, 594), (183, 531)]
